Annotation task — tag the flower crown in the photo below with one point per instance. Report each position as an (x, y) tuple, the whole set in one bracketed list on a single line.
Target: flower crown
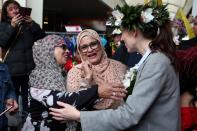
[(143, 17)]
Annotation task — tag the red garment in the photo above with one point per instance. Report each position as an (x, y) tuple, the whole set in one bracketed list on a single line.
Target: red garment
[(188, 117), (188, 60), (70, 63)]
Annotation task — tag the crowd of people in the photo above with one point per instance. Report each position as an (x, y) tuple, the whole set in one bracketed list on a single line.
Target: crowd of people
[(97, 94)]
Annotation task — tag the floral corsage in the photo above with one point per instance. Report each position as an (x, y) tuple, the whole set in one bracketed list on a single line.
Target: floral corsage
[(129, 80)]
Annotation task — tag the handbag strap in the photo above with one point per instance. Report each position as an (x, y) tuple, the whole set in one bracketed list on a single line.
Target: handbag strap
[(12, 44)]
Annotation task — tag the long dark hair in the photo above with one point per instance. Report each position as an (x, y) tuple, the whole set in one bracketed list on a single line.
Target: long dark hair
[(4, 12), (162, 40)]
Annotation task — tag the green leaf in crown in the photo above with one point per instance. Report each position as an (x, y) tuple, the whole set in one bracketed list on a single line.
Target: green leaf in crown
[(144, 17)]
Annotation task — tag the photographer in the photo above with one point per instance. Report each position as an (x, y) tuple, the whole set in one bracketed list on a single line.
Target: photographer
[(17, 35)]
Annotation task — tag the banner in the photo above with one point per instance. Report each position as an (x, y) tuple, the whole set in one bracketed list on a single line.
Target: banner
[(73, 28)]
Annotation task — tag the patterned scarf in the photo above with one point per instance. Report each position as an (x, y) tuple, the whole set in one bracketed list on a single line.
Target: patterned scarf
[(107, 70), (104, 63), (47, 73)]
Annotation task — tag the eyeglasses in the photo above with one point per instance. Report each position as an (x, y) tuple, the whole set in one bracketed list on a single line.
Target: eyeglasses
[(93, 45), (63, 46)]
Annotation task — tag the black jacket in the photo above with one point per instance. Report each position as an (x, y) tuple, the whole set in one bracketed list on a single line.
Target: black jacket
[(188, 43), (20, 58)]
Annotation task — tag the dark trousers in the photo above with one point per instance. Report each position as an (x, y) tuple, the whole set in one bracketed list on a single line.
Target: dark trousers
[(21, 88), (4, 128), (3, 123)]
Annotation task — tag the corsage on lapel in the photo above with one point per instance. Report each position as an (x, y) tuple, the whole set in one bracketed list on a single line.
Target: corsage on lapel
[(129, 80)]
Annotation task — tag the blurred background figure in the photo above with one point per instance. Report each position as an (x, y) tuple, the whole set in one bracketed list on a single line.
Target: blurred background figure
[(17, 34), (119, 51), (7, 94), (129, 59), (185, 44), (179, 31), (188, 84), (116, 40)]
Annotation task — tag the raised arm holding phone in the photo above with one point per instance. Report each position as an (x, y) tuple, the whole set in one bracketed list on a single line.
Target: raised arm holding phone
[(17, 34)]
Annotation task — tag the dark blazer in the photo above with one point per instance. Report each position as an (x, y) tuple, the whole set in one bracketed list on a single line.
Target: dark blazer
[(153, 105)]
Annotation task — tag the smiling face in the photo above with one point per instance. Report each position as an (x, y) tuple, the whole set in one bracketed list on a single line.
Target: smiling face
[(90, 49), (61, 54), (130, 40), (12, 10)]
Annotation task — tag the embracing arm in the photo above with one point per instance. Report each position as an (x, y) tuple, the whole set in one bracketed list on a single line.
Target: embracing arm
[(82, 99), (145, 92)]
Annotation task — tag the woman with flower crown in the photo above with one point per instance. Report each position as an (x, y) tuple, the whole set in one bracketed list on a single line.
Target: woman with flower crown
[(153, 104)]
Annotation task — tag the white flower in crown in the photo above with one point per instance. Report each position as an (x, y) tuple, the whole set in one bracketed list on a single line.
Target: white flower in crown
[(118, 16), (147, 15)]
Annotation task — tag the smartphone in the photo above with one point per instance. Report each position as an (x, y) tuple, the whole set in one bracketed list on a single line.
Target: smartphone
[(24, 11), (6, 110)]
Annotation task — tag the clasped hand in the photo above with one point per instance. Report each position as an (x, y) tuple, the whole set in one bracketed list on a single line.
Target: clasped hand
[(68, 112), (114, 91), (105, 90)]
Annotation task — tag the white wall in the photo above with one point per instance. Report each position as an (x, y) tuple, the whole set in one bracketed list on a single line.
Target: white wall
[(21, 2), (188, 5), (194, 9), (1, 4), (37, 10)]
